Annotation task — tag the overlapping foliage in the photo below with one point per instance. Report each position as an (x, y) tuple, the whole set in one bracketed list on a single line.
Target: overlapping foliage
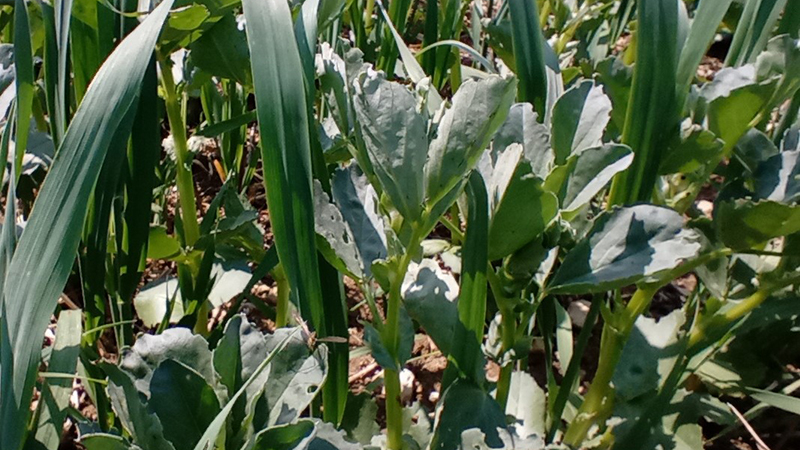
[(541, 155)]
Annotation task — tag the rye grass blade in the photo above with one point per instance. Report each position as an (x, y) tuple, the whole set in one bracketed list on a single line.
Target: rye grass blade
[(46, 251)]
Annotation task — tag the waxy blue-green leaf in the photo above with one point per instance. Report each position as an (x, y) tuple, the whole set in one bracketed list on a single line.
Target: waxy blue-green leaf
[(579, 120), (183, 400), (778, 178), (478, 110), (522, 127), (237, 356), (285, 437), (745, 224), (295, 376), (47, 248), (212, 432), (351, 229), (142, 425), (586, 173), (106, 441), (222, 51), (649, 356), (527, 403), (177, 344), (626, 246), (395, 137), (696, 148), (520, 208), (464, 406)]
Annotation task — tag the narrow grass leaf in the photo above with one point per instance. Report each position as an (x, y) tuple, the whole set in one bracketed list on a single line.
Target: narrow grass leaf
[(23, 66), (754, 30), (651, 117), (55, 392), (285, 148), (704, 27), (46, 251), (529, 55)]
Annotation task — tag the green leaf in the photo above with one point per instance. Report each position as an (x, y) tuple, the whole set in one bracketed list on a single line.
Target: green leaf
[(697, 148), (586, 173), (222, 51), (286, 149), (226, 125), (744, 224), (295, 376), (651, 116), (527, 403), (704, 26), (776, 400), (161, 245), (754, 29), (213, 431), (563, 337), (55, 393), (24, 78), (394, 135), (648, 357), (778, 178), (177, 344), (359, 418), (188, 18), (529, 53), (626, 246), (464, 406), (39, 269), (522, 127), (180, 397), (236, 358), (730, 116), (358, 203), (464, 132), (579, 120), (285, 437), (521, 210), (104, 441), (472, 298), (143, 426)]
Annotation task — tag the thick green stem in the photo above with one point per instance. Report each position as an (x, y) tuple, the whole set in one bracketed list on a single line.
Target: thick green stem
[(598, 401), (394, 414), (191, 227), (394, 410), (707, 329)]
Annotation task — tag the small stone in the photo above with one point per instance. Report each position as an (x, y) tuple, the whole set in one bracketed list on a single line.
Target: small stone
[(706, 207), (578, 310), (406, 385)]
